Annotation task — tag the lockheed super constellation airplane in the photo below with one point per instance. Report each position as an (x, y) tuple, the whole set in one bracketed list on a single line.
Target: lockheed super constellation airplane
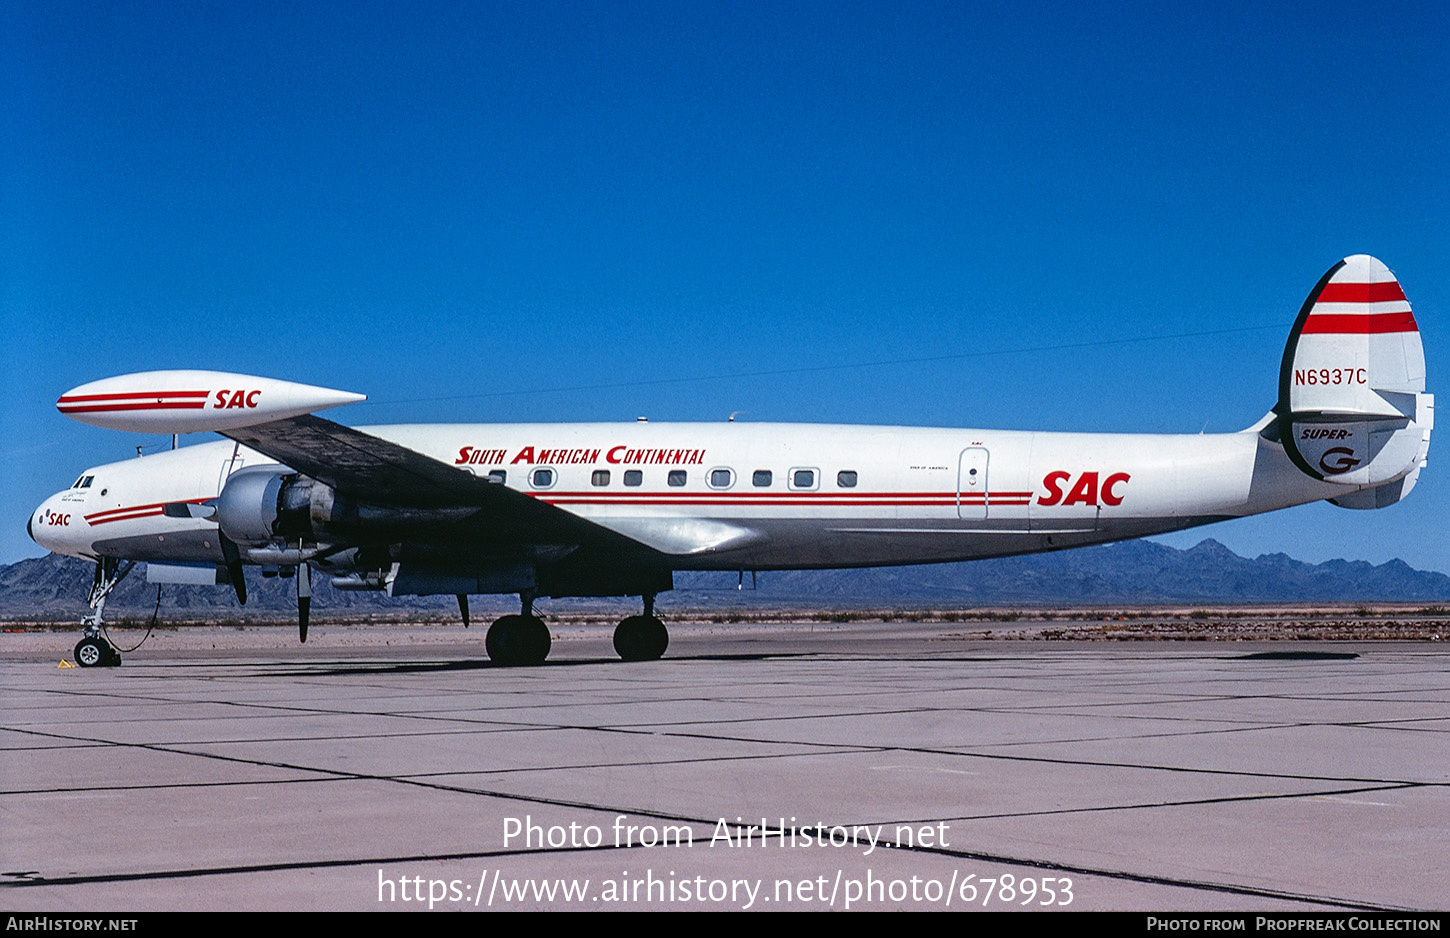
[(613, 510)]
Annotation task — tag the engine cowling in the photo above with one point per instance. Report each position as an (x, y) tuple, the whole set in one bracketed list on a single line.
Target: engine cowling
[(258, 506), (264, 504)]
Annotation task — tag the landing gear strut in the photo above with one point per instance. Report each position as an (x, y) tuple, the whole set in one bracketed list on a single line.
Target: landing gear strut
[(642, 638), (93, 651), (518, 640)]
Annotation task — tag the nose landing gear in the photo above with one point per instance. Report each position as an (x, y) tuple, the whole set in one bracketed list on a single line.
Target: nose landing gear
[(96, 652), (93, 651)]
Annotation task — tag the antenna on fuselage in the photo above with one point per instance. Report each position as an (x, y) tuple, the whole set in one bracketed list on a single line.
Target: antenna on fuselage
[(736, 413)]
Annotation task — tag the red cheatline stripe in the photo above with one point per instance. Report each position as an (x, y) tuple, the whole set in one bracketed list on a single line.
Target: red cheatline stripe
[(705, 500), (130, 396), (1361, 292), (149, 513), (804, 499), (943, 502), (766, 496), (153, 505), (116, 511), (1351, 324), (109, 408)]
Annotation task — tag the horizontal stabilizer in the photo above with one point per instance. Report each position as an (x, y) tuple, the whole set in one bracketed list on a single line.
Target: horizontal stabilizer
[(193, 401), (1381, 496)]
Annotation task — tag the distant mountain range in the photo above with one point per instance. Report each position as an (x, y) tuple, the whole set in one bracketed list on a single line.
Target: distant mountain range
[(1133, 572)]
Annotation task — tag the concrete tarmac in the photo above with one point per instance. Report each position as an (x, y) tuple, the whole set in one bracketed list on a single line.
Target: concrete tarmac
[(891, 766)]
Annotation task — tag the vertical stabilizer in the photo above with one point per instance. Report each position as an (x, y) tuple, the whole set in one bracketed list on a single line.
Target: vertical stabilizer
[(1352, 382)]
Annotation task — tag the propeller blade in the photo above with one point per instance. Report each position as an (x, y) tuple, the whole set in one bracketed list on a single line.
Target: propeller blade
[(463, 607), (304, 599), (233, 559)]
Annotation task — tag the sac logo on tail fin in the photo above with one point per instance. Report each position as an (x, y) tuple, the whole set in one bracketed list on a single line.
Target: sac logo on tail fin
[(1352, 382)]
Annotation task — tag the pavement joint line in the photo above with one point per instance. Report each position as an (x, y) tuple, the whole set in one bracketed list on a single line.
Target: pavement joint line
[(168, 747)]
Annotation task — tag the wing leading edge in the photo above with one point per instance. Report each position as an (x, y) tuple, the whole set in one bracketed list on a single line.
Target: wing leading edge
[(374, 470)]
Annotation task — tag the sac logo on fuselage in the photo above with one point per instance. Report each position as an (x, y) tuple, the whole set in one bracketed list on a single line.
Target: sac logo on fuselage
[(1085, 491), (227, 399)]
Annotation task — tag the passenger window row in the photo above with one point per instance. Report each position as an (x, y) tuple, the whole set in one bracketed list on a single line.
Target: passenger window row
[(800, 479)]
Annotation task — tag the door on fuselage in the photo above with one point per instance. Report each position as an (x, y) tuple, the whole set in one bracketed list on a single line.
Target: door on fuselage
[(972, 483)]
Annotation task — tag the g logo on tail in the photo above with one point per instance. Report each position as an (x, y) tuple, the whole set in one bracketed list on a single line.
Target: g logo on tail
[(1344, 463)]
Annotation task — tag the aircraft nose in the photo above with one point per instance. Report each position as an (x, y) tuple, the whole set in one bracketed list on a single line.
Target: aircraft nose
[(45, 536)]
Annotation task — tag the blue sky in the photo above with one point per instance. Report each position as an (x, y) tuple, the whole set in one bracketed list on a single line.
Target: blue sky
[(593, 211)]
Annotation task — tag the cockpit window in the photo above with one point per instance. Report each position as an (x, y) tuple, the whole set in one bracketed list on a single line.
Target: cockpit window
[(86, 482)]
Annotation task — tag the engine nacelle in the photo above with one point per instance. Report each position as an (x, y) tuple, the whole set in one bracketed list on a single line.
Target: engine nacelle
[(260, 505), (264, 504)]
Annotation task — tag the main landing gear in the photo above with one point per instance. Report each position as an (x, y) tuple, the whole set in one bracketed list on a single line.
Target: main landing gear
[(524, 639), (93, 651), (642, 638), (518, 640)]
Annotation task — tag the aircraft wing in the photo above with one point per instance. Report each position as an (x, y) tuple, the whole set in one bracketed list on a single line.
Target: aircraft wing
[(371, 469)]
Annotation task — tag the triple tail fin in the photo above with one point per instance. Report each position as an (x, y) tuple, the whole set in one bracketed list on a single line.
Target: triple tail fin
[(1352, 403)]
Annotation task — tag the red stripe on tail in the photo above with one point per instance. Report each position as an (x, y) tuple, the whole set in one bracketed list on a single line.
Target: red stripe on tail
[(1349, 324), (1361, 292)]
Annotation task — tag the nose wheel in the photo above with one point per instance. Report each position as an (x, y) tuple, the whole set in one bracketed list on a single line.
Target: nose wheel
[(96, 652)]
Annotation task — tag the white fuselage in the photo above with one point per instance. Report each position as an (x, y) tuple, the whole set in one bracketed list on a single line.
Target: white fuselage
[(760, 496)]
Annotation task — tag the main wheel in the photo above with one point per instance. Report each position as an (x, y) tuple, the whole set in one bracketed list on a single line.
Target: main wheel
[(518, 640), (538, 638), (93, 653), (641, 638)]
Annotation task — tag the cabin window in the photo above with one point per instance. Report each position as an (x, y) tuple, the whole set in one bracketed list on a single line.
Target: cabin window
[(600, 477), (633, 477), (803, 478), (846, 478), (722, 478), (542, 478), (677, 477), (760, 478), (498, 476)]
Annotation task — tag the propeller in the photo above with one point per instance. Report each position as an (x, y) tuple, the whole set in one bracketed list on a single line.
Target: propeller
[(463, 607), (304, 599), (233, 559)]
